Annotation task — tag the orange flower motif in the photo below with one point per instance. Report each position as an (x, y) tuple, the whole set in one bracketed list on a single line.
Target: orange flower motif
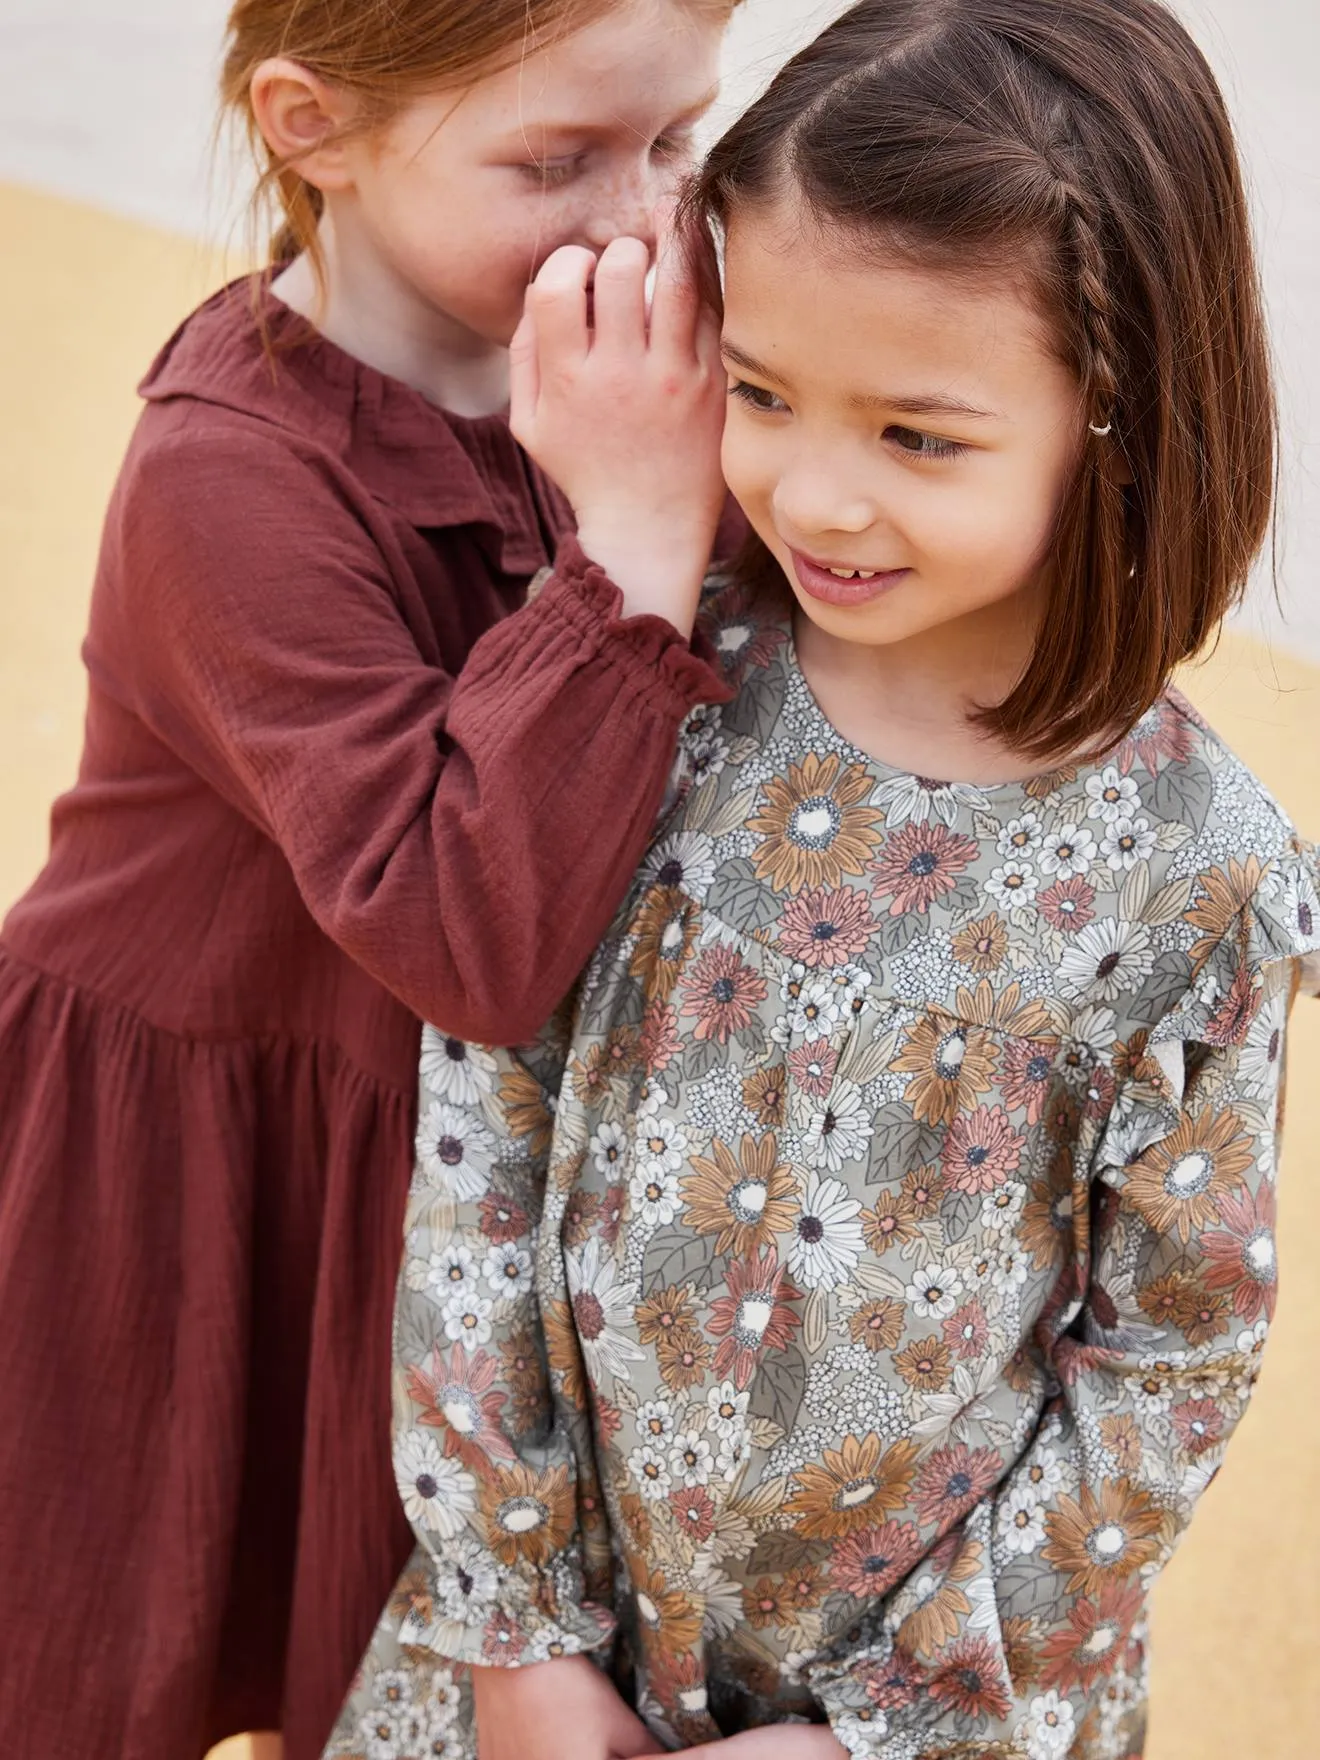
[(878, 1324), (982, 945), (528, 1516), (665, 928), (890, 1223), (681, 1357), (745, 1202), (1101, 1539), (925, 1365), (853, 1487), (951, 1066), (1178, 1185), (813, 827), (1223, 893), (765, 1094)]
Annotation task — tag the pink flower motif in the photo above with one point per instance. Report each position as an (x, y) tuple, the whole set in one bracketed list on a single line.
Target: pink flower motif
[(971, 1680), (1028, 1065), (920, 863), (981, 1150), (952, 1481), (823, 928), (967, 1332), (660, 1043), (503, 1642), (1067, 905), (1199, 1424), (894, 1684), (721, 991), (1161, 733), (813, 1067), (870, 1563), (1242, 1258), (754, 1315)]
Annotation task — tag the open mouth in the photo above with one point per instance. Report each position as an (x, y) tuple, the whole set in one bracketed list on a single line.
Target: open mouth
[(840, 584)]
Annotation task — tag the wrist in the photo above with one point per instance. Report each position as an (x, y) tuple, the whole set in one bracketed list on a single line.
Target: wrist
[(658, 573)]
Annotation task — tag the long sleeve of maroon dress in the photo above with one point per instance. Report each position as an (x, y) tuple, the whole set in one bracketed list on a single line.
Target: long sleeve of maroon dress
[(336, 777)]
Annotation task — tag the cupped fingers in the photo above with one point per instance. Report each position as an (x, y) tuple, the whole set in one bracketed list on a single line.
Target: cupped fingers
[(621, 296), (557, 304), (686, 282)]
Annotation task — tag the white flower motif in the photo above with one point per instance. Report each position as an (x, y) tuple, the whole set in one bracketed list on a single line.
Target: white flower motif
[(649, 1467), (454, 1151), (602, 1313), (1067, 852), (934, 1291), (466, 1580), (1001, 1208), (690, 1459), (1021, 837), (827, 1237), (608, 1148), (1042, 1476), (1011, 1269), (455, 1071), (1127, 842), (1111, 796), (655, 1421), (1259, 1060), (1106, 960), (450, 1271), (839, 1132), (726, 1410), (1047, 1728), (507, 1269), (655, 1197), (1015, 883), (467, 1317), (1020, 1521), (735, 1452), (816, 1008), (662, 1145), (685, 860), (858, 1733), (437, 1493), (920, 800)]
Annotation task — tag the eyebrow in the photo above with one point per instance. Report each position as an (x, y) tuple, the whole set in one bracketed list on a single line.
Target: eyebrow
[(577, 131), (908, 403)]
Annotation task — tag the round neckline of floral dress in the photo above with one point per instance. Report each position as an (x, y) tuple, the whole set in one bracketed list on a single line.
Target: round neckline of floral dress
[(971, 795)]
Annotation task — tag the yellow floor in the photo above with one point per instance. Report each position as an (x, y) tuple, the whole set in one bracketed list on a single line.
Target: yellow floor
[(84, 302)]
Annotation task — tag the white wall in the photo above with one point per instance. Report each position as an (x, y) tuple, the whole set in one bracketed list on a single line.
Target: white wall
[(112, 101)]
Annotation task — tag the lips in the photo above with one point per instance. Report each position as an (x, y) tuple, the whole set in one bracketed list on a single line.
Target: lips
[(856, 587)]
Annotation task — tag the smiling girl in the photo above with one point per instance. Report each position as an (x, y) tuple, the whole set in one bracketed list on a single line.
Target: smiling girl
[(336, 779), (835, 1319)]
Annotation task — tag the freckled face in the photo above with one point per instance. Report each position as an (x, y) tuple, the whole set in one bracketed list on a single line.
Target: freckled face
[(910, 429), (464, 195)]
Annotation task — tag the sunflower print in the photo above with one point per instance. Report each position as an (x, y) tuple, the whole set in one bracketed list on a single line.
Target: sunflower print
[(838, 1313)]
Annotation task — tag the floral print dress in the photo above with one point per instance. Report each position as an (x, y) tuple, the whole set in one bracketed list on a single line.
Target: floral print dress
[(839, 1313)]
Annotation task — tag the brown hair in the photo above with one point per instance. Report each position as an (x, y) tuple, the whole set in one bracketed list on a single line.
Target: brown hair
[(384, 52), (1087, 139)]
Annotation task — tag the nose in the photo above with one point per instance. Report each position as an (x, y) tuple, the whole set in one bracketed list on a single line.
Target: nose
[(629, 205), (812, 499)]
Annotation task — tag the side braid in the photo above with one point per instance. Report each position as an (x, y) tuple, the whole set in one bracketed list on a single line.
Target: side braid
[(1102, 365)]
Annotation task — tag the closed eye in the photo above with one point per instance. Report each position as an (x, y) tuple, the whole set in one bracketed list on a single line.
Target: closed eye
[(757, 397), (554, 173), (919, 445)]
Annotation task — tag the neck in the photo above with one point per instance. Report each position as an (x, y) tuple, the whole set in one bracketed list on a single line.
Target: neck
[(370, 311), (908, 703)]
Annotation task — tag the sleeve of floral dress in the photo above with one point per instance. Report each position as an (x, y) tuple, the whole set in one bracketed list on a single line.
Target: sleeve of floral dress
[(494, 1472), (1148, 1353)]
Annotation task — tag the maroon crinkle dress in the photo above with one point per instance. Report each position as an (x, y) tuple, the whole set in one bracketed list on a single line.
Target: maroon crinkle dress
[(335, 780)]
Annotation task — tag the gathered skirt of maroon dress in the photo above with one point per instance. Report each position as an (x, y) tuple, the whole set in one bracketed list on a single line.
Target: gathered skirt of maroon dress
[(244, 1244)]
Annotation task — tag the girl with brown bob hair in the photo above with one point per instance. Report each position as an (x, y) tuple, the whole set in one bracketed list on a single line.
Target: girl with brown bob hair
[(327, 791), (831, 1323)]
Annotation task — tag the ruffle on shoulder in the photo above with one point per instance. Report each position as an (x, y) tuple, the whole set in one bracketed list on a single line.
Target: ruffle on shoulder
[(1272, 935)]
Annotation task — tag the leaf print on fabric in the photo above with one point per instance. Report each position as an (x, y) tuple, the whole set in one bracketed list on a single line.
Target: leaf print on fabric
[(812, 827), (919, 864), (744, 1201)]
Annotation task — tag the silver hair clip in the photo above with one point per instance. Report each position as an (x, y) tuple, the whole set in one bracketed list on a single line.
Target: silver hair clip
[(1100, 433)]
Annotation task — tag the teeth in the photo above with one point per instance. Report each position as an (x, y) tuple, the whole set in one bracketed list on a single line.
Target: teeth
[(854, 574)]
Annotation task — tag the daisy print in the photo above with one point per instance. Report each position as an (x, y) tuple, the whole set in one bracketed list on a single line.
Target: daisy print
[(887, 1116)]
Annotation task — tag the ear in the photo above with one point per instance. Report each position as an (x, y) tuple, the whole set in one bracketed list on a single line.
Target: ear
[(302, 119)]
